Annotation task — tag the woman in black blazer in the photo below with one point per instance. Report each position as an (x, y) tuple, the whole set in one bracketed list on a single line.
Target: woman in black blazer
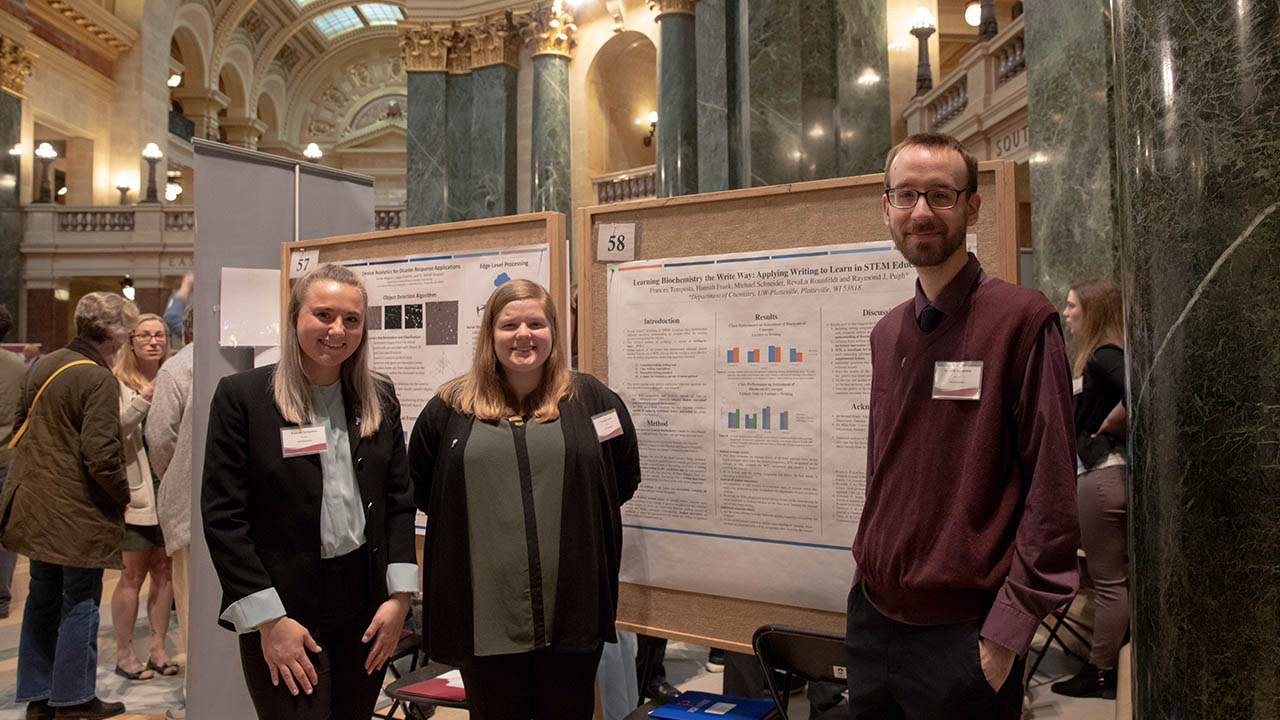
[(308, 511)]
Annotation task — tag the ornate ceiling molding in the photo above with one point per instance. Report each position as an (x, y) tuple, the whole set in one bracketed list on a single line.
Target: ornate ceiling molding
[(91, 23), (15, 65)]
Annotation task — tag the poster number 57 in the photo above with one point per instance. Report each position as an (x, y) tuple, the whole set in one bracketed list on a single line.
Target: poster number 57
[(302, 262), (616, 242)]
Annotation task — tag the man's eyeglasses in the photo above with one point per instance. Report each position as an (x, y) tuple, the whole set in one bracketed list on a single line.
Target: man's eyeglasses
[(147, 337), (937, 198)]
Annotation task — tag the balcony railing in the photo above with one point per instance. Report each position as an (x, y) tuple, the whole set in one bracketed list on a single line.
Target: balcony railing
[(985, 88), (95, 220), (635, 184), (179, 220), (179, 125), (388, 217)]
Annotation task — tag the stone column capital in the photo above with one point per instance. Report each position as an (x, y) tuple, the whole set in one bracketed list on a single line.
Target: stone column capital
[(243, 131), (15, 65), (673, 7), (424, 46), (548, 29), (459, 59), (494, 40)]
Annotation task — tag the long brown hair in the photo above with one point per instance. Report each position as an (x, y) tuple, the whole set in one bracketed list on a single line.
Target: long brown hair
[(290, 386), (482, 392), (126, 367), (1103, 319)]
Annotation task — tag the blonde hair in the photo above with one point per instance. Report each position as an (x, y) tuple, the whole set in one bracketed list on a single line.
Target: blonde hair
[(1103, 321), (126, 368), (102, 316), (483, 393), (290, 386)]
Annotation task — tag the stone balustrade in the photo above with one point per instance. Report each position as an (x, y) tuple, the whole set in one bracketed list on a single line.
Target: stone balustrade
[(635, 184), (145, 241), (388, 217), (983, 101)]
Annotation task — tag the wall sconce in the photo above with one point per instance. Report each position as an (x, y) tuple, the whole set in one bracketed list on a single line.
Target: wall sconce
[(46, 154), (16, 149), (175, 80), (653, 128), (152, 155), (313, 152), (62, 191), (973, 13), (127, 289), (922, 26), (173, 185)]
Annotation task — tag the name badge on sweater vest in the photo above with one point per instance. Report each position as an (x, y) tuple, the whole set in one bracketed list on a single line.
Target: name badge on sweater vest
[(957, 380), (303, 441)]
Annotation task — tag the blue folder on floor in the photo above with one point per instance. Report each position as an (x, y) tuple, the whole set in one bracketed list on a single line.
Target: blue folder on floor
[(693, 705)]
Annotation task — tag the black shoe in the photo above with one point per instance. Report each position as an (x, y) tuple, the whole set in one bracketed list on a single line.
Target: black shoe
[(94, 709), (715, 661), (39, 710), (662, 691), (1089, 682)]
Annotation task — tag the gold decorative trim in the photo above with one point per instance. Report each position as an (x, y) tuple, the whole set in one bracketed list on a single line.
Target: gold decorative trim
[(495, 41), (459, 62), (425, 46), (15, 65), (93, 22), (673, 7), (548, 29)]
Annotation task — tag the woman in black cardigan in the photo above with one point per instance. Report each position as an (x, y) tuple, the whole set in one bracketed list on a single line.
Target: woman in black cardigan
[(308, 511), (521, 467), (1093, 317)]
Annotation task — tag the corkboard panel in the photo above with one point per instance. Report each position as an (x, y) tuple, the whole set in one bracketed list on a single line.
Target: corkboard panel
[(500, 232), (822, 212)]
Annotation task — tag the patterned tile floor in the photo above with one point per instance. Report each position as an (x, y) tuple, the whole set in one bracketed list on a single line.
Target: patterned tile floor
[(148, 700)]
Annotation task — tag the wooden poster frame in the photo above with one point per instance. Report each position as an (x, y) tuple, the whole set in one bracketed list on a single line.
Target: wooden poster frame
[(806, 214), (487, 233)]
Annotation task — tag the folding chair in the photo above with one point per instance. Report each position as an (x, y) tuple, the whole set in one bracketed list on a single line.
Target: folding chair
[(1061, 620), (417, 707), (813, 655), (409, 645)]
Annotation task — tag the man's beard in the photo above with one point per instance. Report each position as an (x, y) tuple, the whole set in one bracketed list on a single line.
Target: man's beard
[(930, 256)]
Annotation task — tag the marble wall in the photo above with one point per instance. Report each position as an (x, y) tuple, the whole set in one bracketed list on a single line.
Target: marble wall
[(426, 157), (863, 118), (10, 210), (677, 137), (1069, 117), (493, 141), (1197, 96), (549, 166), (809, 117), (719, 119), (459, 115)]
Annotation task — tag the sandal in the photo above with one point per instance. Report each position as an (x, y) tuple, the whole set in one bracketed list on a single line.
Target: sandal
[(169, 668), (143, 674)]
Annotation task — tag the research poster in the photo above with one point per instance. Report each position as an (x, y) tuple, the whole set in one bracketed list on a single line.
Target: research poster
[(748, 377), (425, 311)]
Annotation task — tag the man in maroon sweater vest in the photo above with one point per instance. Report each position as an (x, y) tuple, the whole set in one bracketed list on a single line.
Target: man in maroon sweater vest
[(969, 533)]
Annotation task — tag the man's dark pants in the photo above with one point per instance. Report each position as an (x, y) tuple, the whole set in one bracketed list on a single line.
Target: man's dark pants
[(899, 671)]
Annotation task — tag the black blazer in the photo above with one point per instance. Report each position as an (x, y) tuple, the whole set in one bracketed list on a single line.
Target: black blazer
[(262, 512)]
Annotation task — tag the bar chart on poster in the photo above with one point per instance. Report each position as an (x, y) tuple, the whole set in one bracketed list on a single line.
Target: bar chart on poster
[(748, 378)]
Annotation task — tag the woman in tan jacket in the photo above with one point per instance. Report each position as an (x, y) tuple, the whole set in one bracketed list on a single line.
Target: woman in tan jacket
[(136, 367)]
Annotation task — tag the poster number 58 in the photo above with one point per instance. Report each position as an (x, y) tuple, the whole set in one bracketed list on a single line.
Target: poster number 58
[(616, 242)]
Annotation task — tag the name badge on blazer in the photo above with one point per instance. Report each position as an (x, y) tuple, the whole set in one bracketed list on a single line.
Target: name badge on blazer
[(957, 380), (607, 424), (298, 441)]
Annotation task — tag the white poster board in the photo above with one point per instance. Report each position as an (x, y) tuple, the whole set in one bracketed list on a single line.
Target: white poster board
[(748, 378)]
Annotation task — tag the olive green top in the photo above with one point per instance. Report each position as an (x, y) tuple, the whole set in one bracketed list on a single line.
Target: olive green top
[(515, 489)]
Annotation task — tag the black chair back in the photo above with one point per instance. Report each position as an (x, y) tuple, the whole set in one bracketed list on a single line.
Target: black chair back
[(814, 655)]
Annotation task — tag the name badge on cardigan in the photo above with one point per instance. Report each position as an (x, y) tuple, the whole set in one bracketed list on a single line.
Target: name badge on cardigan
[(1077, 386), (957, 380), (607, 425), (297, 441)]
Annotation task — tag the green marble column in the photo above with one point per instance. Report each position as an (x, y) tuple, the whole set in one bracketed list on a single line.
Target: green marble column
[(493, 141), (458, 118), (1069, 119), (549, 166), (719, 109), (862, 87), (677, 103), (10, 208), (1197, 96), (775, 91), (426, 148)]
